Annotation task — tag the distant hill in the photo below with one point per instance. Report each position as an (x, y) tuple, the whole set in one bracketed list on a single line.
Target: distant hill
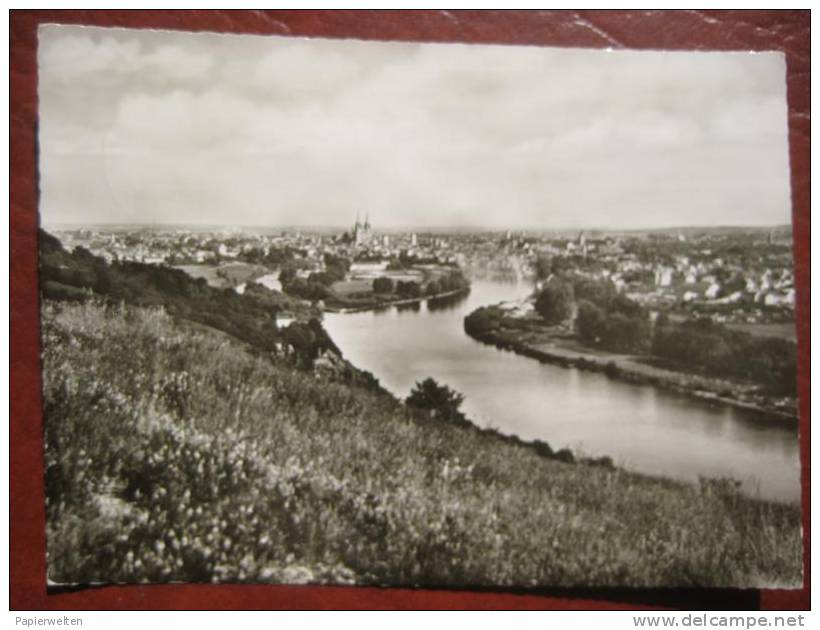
[(567, 232)]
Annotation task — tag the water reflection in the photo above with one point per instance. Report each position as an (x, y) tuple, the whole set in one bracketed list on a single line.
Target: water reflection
[(409, 306), (641, 427), (448, 302)]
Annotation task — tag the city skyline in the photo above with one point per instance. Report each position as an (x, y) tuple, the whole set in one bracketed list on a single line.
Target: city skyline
[(198, 128)]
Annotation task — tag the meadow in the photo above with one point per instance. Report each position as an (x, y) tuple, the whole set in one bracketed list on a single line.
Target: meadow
[(786, 330), (176, 453), (225, 275)]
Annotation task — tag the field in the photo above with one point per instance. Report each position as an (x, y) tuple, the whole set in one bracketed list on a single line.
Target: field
[(226, 275), (781, 331), (181, 455), (346, 288), (363, 282)]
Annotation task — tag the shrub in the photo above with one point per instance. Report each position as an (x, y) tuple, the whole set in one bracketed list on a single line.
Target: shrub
[(408, 289), (590, 322), (555, 302), (611, 369), (383, 285), (439, 400), (542, 448)]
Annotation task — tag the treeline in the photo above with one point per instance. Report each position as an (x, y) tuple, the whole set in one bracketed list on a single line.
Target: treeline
[(251, 317), (407, 260), (714, 349), (273, 257), (602, 317), (451, 281), (402, 288)]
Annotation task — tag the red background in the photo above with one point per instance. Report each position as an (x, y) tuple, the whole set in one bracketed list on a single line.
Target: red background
[(787, 31)]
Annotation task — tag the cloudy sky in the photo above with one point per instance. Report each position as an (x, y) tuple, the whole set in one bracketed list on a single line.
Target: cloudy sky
[(167, 127)]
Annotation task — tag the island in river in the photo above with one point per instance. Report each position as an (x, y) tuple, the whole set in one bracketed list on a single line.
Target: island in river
[(343, 287)]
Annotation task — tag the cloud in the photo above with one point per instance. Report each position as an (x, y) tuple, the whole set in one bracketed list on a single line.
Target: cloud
[(64, 60), (258, 130)]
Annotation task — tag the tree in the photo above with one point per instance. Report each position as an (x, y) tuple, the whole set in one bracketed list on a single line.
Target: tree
[(600, 292), (408, 289), (453, 281), (383, 285), (554, 303), (629, 308), (732, 284), (483, 320), (340, 262), (438, 400), (590, 322), (325, 278), (543, 267), (627, 334), (287, 275)]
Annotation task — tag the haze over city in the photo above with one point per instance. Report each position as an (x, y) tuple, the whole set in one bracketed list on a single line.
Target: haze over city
[(198, 128)]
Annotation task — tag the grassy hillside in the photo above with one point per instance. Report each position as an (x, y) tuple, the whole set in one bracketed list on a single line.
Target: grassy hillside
[(177, 454), (76, 275)]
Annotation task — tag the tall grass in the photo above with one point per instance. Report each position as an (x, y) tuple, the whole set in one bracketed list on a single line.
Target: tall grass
[(178, 455)]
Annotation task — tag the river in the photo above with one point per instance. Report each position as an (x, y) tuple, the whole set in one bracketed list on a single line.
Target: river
[(642, 428)]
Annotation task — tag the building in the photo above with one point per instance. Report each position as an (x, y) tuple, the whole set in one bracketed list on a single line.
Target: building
[(362, 232), (663, 276)]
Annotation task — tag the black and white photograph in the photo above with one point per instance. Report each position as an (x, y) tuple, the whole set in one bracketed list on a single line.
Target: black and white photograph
[(402, 314)]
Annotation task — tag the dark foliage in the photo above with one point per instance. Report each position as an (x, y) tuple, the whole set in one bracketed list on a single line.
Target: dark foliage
[(601, 293), (408, 289), (483, 320), (452, 281), (438, 400), (609, 320), (251, 317), (383, 285), (719, 351), (555, 302)]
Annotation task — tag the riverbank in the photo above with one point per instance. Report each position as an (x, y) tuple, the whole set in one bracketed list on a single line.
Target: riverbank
[(557, 346), (376, 305)]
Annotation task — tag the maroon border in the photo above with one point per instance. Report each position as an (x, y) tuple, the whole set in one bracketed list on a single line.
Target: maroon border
[(787, 31)]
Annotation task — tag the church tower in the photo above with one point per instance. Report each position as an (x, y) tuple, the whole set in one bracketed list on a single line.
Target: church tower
[(361, 231)]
